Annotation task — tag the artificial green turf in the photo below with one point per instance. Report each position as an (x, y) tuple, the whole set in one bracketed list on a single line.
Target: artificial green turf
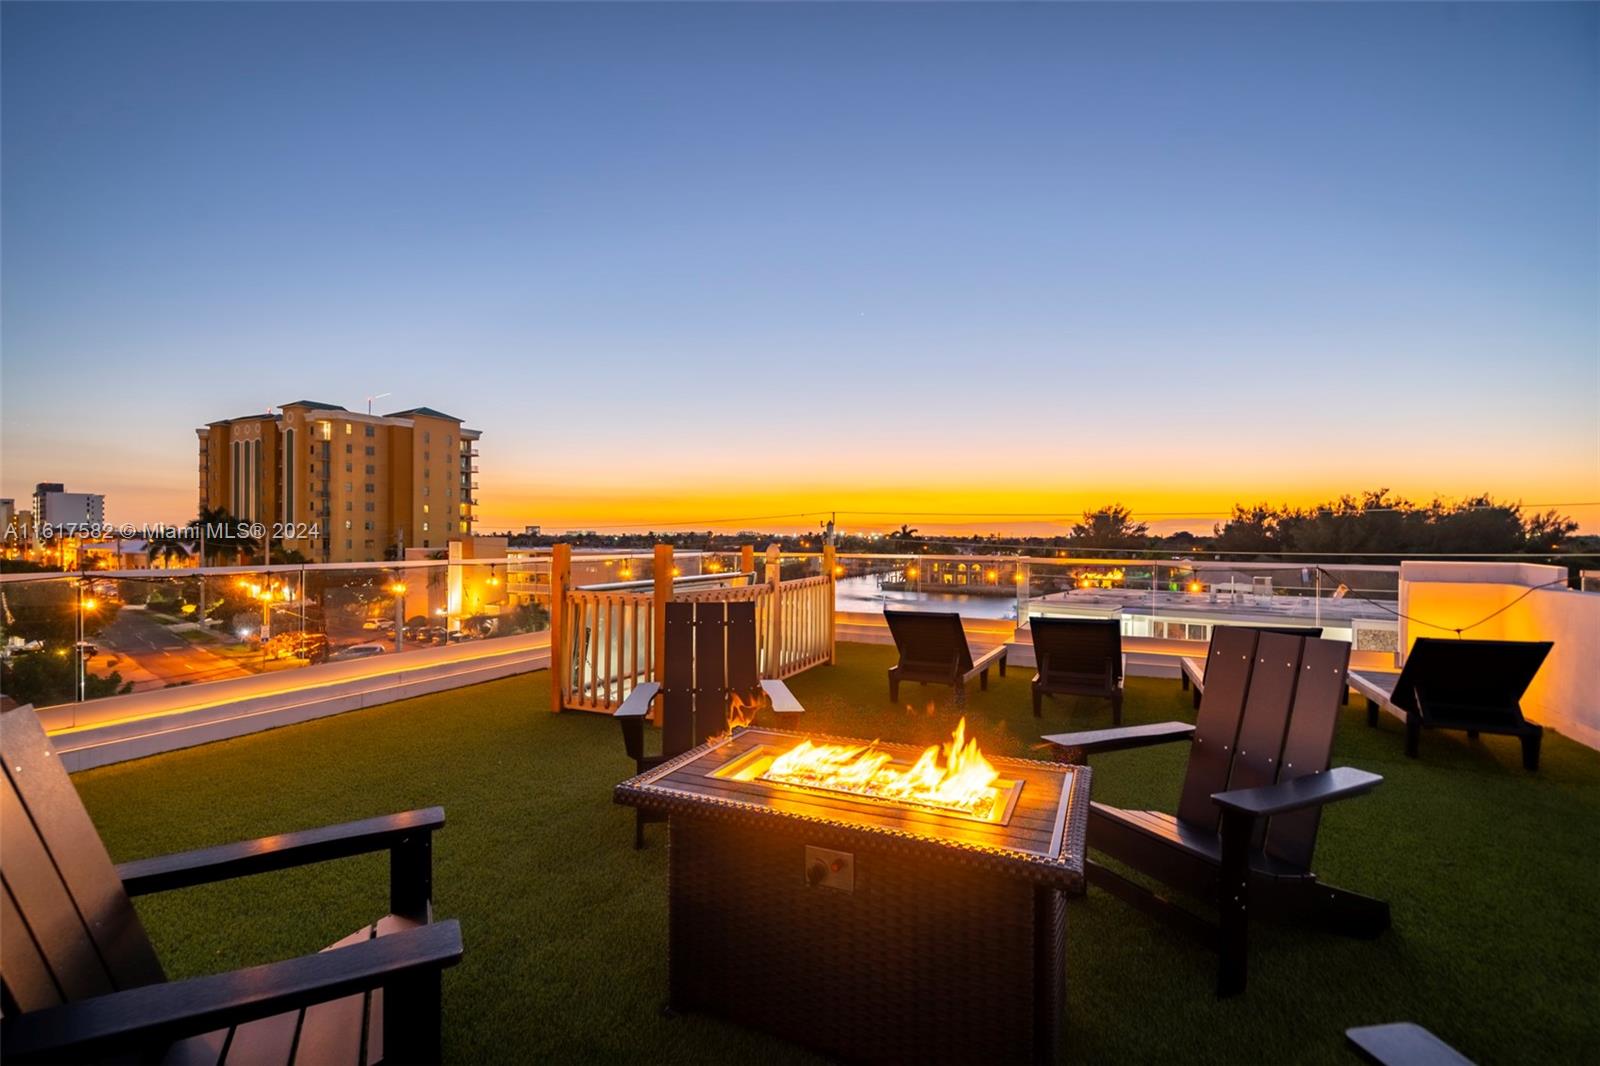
[(1491, 873)]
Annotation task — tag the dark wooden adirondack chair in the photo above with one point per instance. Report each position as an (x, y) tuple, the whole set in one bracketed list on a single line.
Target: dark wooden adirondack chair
[(708, 667), (1078, 657), (1192, 671), (1246, 828), (934, 651), (79, 981), (1471, 685)]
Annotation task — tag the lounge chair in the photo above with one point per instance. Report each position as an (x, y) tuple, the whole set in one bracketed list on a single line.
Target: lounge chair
[(1246, 828), (1078, 657), (934, 651), (1192, 673), (81, 981), (1471, 685), (708, 665)]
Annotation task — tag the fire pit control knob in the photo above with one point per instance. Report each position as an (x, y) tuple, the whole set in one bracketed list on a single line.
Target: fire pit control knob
[(826, 868)]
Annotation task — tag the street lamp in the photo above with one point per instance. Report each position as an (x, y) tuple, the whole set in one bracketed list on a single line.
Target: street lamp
[(83, 605)]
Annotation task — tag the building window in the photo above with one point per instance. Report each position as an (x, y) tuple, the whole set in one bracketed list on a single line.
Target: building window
[(326, 429), (349, 505), (348, 487), (371, 432), (349, 449), (368, 527), (347, 526), (371, 506), (349, 468), (368, 487), (371, 470), (463, 527), (424, 508), (425, 491), (371, 450), (427, 436), (348, 429), (348, 544)]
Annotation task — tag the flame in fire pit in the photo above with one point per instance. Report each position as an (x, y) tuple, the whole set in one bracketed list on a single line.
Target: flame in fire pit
[(953, 777)]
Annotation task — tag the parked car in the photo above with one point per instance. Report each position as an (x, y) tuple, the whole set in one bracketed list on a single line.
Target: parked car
[(359, 651)]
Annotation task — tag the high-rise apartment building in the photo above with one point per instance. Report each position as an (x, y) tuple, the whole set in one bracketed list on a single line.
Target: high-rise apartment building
[(341, 486), (61, 511)]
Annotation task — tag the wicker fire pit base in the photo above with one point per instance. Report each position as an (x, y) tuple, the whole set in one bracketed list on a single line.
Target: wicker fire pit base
[(866, 933)]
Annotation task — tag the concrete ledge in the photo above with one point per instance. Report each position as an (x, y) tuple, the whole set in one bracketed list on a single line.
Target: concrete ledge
[(148, 723)]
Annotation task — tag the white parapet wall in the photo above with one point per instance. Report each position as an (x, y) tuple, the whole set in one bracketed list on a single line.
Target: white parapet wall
[(1516, 601), (130, 727)]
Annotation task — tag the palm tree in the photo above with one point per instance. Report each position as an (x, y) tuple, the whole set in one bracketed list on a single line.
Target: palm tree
[(166, 547)]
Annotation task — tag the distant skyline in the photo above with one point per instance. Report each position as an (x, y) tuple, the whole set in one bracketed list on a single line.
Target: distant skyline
[(682, 262)]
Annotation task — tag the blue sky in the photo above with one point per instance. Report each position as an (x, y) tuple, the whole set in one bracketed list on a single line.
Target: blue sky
[(680, 258)]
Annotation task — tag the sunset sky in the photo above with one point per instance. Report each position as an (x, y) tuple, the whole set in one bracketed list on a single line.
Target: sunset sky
[(682, 263)]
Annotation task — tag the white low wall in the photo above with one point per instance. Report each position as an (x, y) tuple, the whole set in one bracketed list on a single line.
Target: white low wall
[(146, 723), (1437, 597)]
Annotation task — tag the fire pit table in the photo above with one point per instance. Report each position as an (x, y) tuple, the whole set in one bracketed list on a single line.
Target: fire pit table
[(815, 894)]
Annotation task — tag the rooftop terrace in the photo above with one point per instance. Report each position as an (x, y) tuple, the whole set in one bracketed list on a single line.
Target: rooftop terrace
[(1490, 872)]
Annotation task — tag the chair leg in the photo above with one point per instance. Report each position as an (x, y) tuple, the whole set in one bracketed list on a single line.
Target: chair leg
[(1194, 697), (1530, 749), (1413, 734), (1037, 701), (983, 680), (1116, 708), (894, 689), (1372, 712), (1002, 666), (960, 693), (1183, 680), (411, 1022), (1233, 890)]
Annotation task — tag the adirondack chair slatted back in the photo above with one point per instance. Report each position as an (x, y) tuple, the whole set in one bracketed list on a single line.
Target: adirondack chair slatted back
[(709, 658), (67, 929), (1216, 724), (930, 640), (1308, 749), (1077, 648), (1469, 678), (1269, 712)]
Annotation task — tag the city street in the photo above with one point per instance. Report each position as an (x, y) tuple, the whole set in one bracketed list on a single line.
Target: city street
[(152, 656)]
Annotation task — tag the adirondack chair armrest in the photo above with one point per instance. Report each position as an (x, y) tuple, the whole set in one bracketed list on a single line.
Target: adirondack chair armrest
[(783, 701), (1314, 790), (1075, 747), (155, 1015), (631, 716), (405, 836)]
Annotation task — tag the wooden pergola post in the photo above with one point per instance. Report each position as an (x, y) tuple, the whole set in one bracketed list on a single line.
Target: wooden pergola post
[(661, 595), (747, 561), (830, 567), (775, 615), (560, 664)]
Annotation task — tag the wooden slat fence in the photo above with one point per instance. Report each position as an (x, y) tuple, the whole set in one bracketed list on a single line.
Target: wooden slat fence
[(605, 638)]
